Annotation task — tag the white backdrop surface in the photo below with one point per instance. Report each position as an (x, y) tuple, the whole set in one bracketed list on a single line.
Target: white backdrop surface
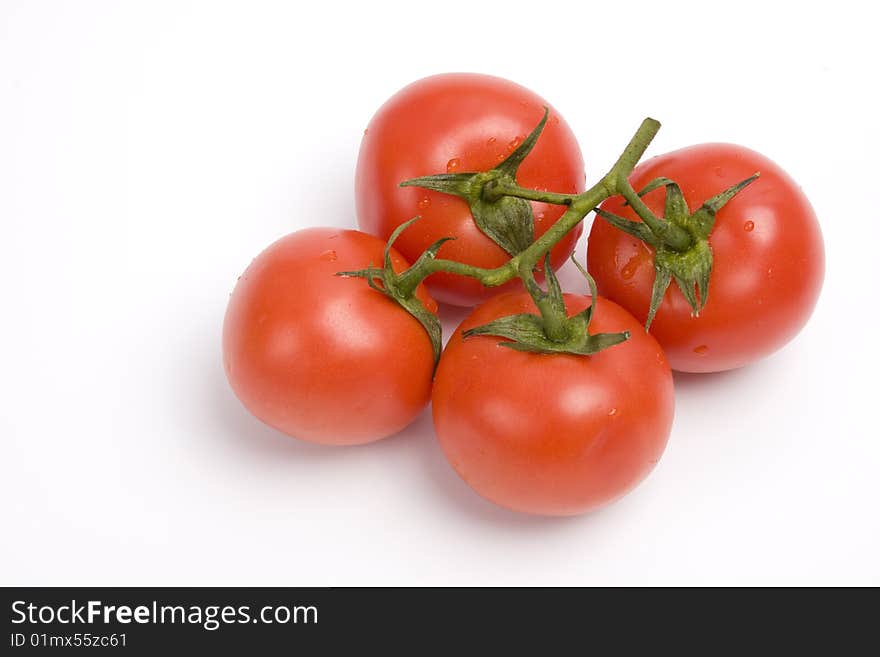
[(148, 150)]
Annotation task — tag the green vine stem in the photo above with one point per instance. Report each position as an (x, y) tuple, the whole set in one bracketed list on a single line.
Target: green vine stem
[(552, 331), (498, 189), (500, 209), (613, 183)]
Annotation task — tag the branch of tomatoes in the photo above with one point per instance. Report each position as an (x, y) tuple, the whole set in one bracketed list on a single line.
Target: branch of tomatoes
[(336, 361)]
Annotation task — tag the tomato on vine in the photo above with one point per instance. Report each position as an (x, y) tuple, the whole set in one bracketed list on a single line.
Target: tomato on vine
[(550, 433), (328, 358), (747, 272), (544, 402), (450, 125)]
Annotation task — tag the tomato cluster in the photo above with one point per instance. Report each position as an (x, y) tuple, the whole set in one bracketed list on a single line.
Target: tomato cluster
[(543, 402)]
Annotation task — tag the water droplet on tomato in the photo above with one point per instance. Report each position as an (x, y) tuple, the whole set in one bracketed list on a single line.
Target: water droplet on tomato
[(540, 216), (719, 171), (701, 350), (452, 165), (749, 226), (424, 203), (612, 412), (513, 143), (630, 268), (329, 255), (636, 260), (333, 236), (491, 141)]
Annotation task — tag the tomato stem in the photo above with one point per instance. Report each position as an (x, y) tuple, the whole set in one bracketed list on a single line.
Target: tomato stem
[(497, 189), (613, 183), (402, 287), (494, 197), (553, 331), (680, 241), (550, 304), (673, 236)]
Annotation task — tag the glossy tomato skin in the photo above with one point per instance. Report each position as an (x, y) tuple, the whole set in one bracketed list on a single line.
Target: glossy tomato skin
[(456, 123), (768, 260), (554, 434), (321, 357)]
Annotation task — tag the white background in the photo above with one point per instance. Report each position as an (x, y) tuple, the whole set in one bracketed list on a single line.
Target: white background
[(148, 150)]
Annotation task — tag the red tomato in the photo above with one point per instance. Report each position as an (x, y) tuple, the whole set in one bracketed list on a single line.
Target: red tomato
[(458, 123), (768, 257), (552, 434), (322, 357)]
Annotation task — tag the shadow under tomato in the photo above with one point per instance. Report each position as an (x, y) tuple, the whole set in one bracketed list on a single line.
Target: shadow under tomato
[(231, 427), (691, 380), (242, 432), (714, 382), (245, 433)]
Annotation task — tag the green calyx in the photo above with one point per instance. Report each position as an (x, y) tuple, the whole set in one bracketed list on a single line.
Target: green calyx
[(552, 331), (680, 241), (506, 220), (401, 287)]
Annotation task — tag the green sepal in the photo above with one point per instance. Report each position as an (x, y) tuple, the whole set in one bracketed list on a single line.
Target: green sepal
[(676, 208), (428, 320), (662, 278), (690, 267), (511, 163), (654, 184), (457, 184), (587, 313), (399, 288), (691, 271), (507, 221), (637, 229), (703, 220), (528, 332)]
